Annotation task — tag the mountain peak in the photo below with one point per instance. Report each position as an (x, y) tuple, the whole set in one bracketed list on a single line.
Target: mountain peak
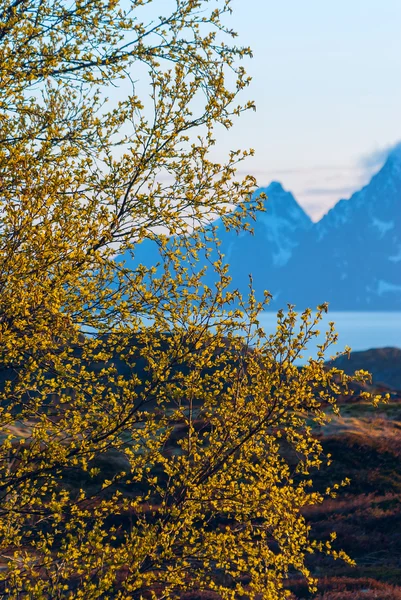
[(281, 204), (275, 187)]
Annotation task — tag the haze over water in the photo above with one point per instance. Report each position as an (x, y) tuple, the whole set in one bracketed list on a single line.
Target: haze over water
[(359, 330)]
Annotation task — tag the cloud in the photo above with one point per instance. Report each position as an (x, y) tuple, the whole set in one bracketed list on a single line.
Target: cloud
[(319, 187), (373, 161), (329, 191), (307, 170)]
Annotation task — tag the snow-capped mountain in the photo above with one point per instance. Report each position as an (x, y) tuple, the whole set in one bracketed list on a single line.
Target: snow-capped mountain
[(277, 232), (351, 258)]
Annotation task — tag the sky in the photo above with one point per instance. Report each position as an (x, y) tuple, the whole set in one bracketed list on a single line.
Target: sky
[(327, 86)]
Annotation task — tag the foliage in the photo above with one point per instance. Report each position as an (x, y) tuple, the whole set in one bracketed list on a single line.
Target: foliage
[(203, 423)]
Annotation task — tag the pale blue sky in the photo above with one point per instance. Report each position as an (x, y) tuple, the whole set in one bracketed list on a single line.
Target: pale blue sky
[(327, 84)]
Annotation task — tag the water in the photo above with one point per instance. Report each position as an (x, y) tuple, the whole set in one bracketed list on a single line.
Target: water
[(359, 330)]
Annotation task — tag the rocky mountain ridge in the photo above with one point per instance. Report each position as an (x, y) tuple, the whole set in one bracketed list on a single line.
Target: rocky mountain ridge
[(351, 258)]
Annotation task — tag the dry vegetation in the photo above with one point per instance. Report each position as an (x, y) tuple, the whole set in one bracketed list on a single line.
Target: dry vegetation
[(365, 444)]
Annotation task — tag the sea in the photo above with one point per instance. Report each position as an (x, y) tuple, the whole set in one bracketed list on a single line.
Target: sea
[(358, 330)]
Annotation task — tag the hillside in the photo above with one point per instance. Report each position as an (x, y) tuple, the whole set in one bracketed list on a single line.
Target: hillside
[(365, 444), (384, 364)]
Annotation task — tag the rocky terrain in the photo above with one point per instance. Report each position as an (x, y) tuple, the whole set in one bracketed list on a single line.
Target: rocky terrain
[(384, 364)]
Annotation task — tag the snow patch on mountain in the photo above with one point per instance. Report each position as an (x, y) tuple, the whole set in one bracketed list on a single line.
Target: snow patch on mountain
[(382, 226), (277, 229), (397, 256), (383, 287)]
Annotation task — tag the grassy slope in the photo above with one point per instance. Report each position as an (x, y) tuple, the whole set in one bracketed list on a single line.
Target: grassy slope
[(365, 444)]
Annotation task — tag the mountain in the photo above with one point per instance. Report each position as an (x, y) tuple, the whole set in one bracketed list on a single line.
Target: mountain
[(351, 258), (384, 364), (277, 232)]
